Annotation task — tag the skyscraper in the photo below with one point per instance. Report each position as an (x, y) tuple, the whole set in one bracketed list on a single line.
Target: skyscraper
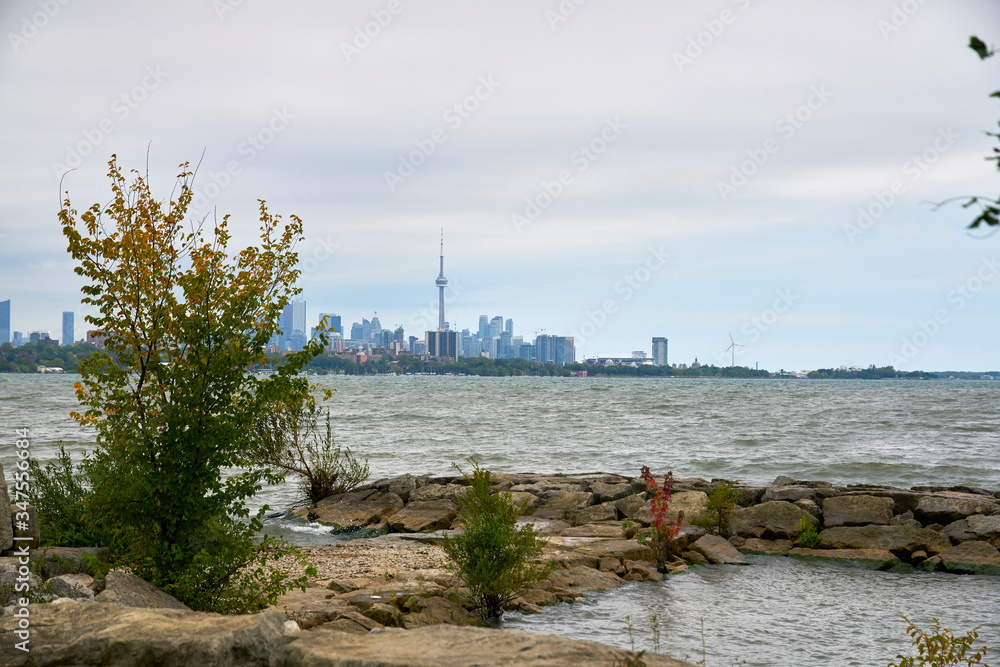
[(441, 283), (332, 322), (4, 321), (659, 351), (496, 326), (68, 329), (510, 326), (484, 327), (293, 326)]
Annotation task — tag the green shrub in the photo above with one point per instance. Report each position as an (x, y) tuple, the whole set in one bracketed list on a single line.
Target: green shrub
[(58, 492), (719, 510), (806, 531), (491, 555), (941, 648)]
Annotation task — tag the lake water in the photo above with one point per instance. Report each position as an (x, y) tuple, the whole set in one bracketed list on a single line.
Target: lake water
[(773, 612)]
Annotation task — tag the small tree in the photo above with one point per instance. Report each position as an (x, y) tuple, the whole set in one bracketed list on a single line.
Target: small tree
[(170, 397), (719, 509), (940, 649), (660, 535), (491, 553)]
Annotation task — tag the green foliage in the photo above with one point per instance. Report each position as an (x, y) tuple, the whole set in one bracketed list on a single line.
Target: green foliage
[(941, 648), (289, 438), (491, 555), (719, 509), (989, 207), (58, 492), (806, 531), (170, 398)]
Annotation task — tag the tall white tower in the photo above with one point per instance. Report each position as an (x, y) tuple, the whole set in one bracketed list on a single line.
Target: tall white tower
[(441, 282)]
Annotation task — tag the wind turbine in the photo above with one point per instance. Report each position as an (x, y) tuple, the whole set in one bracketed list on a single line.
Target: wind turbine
[(733, 345)]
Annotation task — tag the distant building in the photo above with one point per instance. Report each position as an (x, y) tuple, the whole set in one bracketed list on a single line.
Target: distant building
[(442, 344), (41, 338), (660, 351), (96, 338), (357, 331), (68, 330), (413, 345), (332, 322), (4, 321), (554, 349), (484, 327), (293, 326), (17, 340)]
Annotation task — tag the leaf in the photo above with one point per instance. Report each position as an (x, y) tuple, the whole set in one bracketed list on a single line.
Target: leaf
[(980, 48)]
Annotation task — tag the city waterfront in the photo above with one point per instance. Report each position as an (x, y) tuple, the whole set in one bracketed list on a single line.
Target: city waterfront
[(772, 612)]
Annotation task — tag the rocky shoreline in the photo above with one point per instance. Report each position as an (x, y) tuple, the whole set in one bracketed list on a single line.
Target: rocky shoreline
[(390, 600)]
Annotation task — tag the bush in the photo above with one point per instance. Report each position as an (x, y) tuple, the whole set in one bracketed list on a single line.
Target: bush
[(719, 509), (290, 439), (660, 535), (58, 493), (941, 648), (491, 554), (806, 531)]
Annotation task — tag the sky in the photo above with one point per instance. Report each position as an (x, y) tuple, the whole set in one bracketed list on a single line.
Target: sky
[(712, 171)]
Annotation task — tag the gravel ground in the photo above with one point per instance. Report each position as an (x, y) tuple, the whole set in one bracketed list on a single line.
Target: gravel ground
[(361, 559)]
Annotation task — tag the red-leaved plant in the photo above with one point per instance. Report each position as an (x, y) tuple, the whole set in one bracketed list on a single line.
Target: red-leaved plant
[(660, 535)]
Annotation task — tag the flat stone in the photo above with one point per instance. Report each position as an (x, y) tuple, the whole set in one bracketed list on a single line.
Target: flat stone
[(129, 590), (620, 549), (605, 530), (72, 586), (580, 579), (423, 515), (313, 613), (859, 510), (755, 545), (357, 508), (629, 505), (945, 509), (903, 500), (718, 550), (610, 492), (97, 634), (773, 520), (403, 486), (636, 570), (984, 527), (530, 501), (876, 559), (451, 646), (972, 558), (893, 538), (603, 512), (560, 505), (452, 492), (436, 611)]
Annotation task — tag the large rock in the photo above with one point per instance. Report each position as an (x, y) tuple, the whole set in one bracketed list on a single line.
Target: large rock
[(403, 486), (621, 549), (897, 539), (985, 528), (129, 590), (423, 515), (357, 509), (450, 646), (78, 633), (72, 586), (857, 511), (561, 505), (972, 558), (875, 559), (6, 528), (718, 550), (755, 545), (578, 579), (603, 512), (945, 509), (452, 492), (435, 611), (630, 505), (313, 613), (528, 501), (774, 520), (607, 492), (53, 561), (792, 493), (692, 503), (904, 500)]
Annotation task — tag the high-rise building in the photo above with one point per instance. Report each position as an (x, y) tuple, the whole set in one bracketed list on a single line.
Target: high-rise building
[(4, 321), (293, 326), (366, 330), (376, 329), (413, 344), (659, 351), (399, 335), (441, 283), (442, 344), (16, 339), (357, 331), (68, 337), (496, 326), (555, 349), (510, 326), (484, 328), (332, 322), (384, 338)]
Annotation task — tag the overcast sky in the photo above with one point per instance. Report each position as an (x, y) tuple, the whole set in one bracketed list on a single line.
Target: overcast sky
[(612, 171)]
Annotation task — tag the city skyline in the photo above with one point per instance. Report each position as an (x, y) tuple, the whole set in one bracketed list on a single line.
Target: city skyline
[(684, 171)]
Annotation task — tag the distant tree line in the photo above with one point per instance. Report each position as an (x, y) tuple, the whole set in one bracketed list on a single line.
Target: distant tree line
[(28, 357), (870, 373)]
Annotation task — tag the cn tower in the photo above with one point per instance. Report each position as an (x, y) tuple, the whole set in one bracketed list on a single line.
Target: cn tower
[(441, 282)]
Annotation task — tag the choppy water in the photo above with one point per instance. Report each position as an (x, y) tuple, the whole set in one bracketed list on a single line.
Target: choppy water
[(775, 612)]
